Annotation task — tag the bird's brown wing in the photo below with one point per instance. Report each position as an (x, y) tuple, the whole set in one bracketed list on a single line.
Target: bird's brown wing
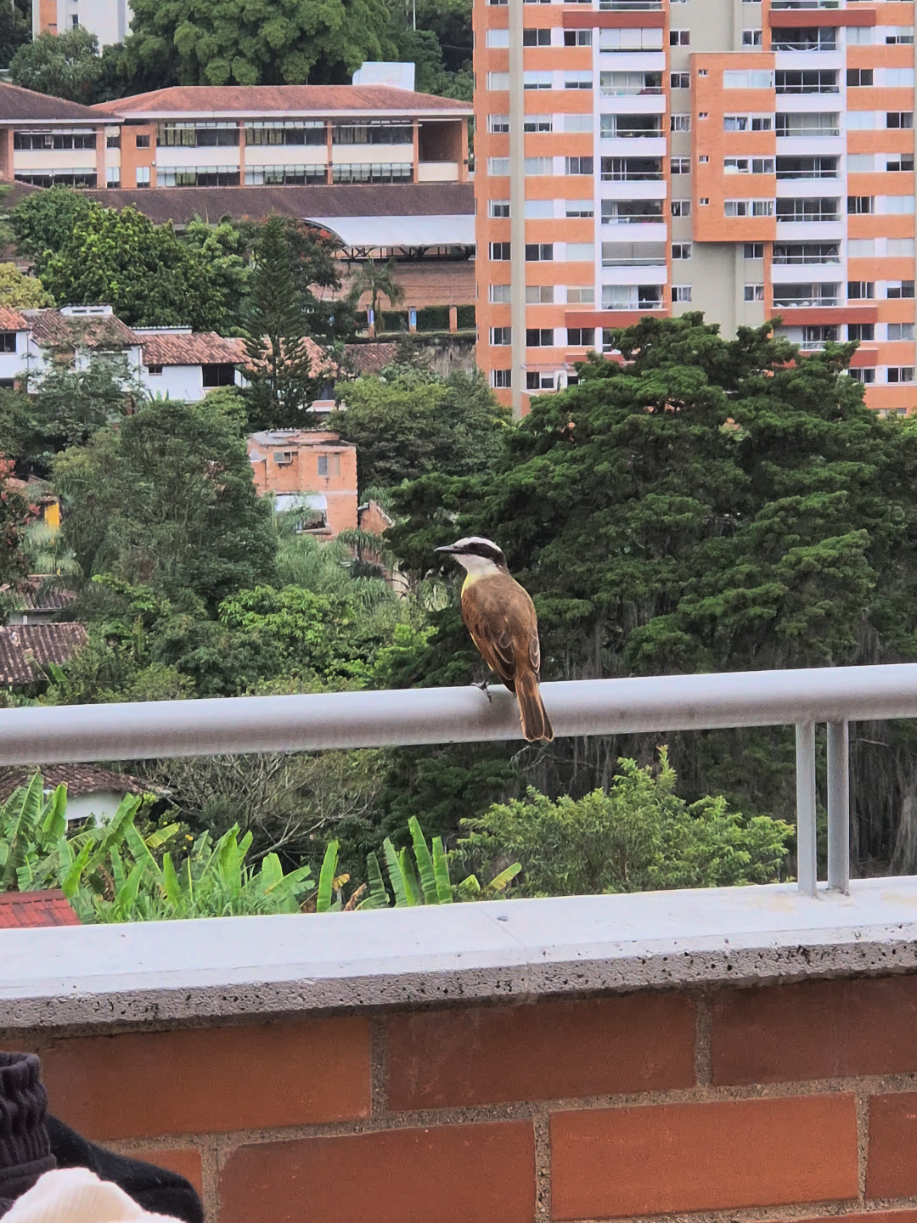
[(489, 628)]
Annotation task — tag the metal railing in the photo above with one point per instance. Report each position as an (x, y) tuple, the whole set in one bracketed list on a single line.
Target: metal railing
[(835, 696)]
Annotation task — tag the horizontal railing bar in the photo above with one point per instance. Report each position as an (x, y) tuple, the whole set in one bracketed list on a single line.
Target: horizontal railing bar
[(64, 733)]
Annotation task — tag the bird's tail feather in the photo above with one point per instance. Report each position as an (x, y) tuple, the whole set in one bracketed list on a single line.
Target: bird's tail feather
[(535, 722)]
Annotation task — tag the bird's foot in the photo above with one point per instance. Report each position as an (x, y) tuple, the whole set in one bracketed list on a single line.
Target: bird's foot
[(485, 689)]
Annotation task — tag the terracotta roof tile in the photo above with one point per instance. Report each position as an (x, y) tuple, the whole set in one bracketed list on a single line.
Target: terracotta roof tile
[(369, 358), (19, 104), (11, 320), (270, 99), (19, 643), (31, 597), (28, 910), (183, 204), (78, 778), (200, 348), (85, 331)]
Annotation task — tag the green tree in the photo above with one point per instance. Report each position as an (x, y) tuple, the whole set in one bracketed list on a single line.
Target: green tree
[(15, 29), (377, 282), (261, 42), (142, 270), (281, 380), (409, 423), (21, 292), (168, 500), (225, 249), (705, 505), (67, 65), (637, 836), (71, 403), (43, 223), (329, 315), (15, 516)]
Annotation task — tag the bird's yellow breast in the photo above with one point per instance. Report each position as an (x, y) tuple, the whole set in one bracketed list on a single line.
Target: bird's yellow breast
[(472, 578)]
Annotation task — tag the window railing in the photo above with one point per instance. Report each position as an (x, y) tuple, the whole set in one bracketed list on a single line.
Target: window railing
[(786, 175), (803, 302), (630, 6), (631, 176), (629, 91), (409, 717), (633, 218)]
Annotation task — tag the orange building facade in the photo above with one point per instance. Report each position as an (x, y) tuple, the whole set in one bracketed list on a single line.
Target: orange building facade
[(751, 160), (311, 471)]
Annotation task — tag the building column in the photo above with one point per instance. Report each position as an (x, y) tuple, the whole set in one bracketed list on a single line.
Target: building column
[(416, 127), (101, 158), (6, 155), (517, 206), (330, 153), (241, 153)]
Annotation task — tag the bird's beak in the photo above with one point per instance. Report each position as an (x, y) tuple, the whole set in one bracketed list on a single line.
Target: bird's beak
[(447, 548)]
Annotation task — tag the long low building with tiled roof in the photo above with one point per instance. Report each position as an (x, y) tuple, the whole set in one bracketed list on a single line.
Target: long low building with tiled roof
[(25, 649)]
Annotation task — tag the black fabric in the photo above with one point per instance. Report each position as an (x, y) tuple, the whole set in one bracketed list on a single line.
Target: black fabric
[(155, 1189), (25, 1151)]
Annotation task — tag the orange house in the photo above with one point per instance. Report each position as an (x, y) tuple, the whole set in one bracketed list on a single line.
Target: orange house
[(311, 470)]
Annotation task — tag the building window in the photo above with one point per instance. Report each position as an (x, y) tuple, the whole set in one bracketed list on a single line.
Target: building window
[(681, 165), (533, 38), (113, 141), (501, 336), (858, 77), (681, 250), (218, 375), (681, 293), (749, 78), (498, 167), (498, 38), (679, 38), (329, 464), (680, 80), (899, 119), (498, 81), (580, 337), (580, 295), (498, 124), (286, 131), (539, 252), (196, 176), (286, 176), (861, 331), (372, 133), (539, 295), (154, 371), (577, 38), (539, 210), (499, 295), (143, 176), (500, 251), (748, 208), (7, 341), (113, 176), (539, 337), (899, 288), (900, 331), (534, 80), (681, 208), (753, 293), (377, 172), (577, 80), (860, 290), (142, 141), (751, 38), (860, 205), (900, 373), (680, 123), (579, 208), (58, 178), (501, 379), (62, 138), (498, 208), (194, 135), (535, 381), (754, 250), (534, 166), (580, 165)]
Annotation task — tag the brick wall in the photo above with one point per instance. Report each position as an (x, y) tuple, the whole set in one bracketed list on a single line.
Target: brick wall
[(765, 1103)]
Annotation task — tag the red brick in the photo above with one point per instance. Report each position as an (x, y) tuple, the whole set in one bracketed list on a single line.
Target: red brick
[(688, 1157), (891, 1171), (541, 1051), (815, 1030), (186, 1161), (209, 1080), (450, 1174)]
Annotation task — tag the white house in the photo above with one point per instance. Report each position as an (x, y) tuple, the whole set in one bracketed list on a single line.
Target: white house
[(173, 362), (183, 364)]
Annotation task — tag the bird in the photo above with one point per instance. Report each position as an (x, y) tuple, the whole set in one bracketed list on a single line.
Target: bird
[(500, 616)]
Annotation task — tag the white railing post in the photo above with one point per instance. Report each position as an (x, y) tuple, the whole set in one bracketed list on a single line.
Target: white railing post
[(838, 806), (806, 846)]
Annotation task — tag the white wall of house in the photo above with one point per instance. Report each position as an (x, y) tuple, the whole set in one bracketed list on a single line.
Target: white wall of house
[(175, 381), (102, 805)]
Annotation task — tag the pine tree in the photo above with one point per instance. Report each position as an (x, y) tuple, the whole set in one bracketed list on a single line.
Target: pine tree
[(280, 374)]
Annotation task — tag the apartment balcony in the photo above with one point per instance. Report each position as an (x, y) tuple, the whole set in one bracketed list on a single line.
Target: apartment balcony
[(806, 296), (630, 6), (437, 172)]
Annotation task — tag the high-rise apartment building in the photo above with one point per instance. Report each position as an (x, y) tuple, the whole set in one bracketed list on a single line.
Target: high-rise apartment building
[(746, 158), (109, 20)]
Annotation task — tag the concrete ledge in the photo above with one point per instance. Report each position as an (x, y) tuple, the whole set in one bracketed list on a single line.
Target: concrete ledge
[(223, 967)]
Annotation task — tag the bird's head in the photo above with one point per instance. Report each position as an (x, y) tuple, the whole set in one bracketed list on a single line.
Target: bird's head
[(477, 555)]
